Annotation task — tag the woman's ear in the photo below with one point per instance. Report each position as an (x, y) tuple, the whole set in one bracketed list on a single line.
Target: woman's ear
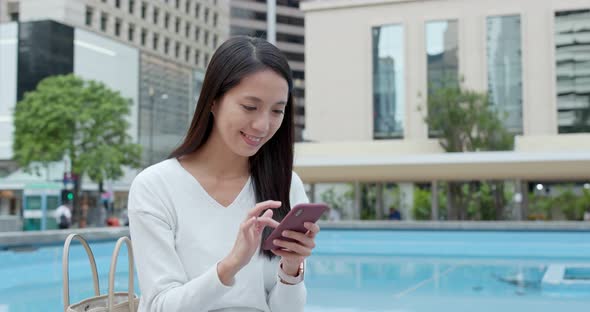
[(214, 108)]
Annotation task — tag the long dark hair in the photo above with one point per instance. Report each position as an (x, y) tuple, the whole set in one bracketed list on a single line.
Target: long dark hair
[(271, 167)]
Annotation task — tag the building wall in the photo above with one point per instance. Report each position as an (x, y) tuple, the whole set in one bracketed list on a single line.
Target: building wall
[(112, 63), (166, 112), (249, 17), (339, 66), (203, 24), (8, 85)]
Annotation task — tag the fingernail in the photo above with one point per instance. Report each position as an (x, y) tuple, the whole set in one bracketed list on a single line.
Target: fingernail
[(286, 233), (276, 241)]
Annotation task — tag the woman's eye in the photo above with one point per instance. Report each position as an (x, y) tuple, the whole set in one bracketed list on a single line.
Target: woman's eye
[(278, 111), (249, 108)]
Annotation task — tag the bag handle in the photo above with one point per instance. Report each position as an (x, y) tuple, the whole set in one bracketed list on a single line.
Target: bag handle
[(113, 269), (66, 264)]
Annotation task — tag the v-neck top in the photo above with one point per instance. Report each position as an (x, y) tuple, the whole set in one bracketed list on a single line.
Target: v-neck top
[(180, 233), (247, 187)]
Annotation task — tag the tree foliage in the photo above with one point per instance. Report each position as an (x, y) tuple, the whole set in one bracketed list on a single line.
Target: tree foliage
[(85, 120), (465, 121)]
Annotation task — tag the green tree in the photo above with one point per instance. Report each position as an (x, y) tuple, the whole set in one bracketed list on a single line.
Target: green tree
[(338, 201), (465, 121), (85, 120), (422, 209)]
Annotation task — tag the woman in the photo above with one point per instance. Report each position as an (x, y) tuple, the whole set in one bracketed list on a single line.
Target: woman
[(198, 219)]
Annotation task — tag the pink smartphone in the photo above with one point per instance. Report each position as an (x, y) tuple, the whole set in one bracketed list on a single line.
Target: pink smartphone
[(294, 221)]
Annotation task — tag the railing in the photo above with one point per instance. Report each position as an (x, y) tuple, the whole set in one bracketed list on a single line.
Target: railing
[(10, 223)]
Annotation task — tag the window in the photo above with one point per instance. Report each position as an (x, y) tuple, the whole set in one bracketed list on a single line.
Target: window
[(131, 6), (248, 14), (388, 81), (166, 20), (242, 31), (143, 36), (290, 38), (187, 6), (197, 33), (206, 59), (297, 57), (177, 50), (118, 4), (215, 41), (131, 32), (177, 25), (215, 19), (177, 5), (155, 42), (14, 17), (156, 15), (442, 47), (206, 38), (197, 56), (143, 10), (442, 62), (505, 69), (118, 27), (103, 21), (206, 16), (290, 20), (187, 53), (288, 3), (298, 74), (197, 10), (187, 29), (572, 49), (89, 14), (166, 45)]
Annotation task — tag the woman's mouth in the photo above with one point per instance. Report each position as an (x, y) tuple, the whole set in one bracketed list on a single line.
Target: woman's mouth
[(250, 139)]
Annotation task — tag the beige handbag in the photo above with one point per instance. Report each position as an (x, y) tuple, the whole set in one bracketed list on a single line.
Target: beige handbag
[(111, 302)]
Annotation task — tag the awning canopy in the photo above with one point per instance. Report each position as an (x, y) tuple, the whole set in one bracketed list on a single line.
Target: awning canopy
[(358, 165)]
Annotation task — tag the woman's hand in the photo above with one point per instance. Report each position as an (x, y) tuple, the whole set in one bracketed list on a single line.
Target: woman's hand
[(293, 253), (248, 240)]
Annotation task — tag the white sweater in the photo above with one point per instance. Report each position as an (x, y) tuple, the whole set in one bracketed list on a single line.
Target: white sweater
[(179, 235)]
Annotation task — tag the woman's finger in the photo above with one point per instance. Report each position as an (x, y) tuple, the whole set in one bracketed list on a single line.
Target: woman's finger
[(245, 226), (284, 253), (260, 207), (266, 221), (303, 239), (313, 229), (267, 214), (295, 247)]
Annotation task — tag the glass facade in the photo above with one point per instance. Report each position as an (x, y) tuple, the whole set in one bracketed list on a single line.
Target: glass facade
[(165, 106), (442, 45), (572, 57), (442, 59), (388, 81), (45, 48), (505, 69)]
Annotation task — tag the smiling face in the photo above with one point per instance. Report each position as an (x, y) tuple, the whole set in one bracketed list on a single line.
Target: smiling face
[(248, 115)]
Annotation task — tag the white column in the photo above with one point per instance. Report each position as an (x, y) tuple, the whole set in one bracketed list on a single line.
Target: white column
[(357, 201), (379, 205), (406, 200), (434, 200), (271, 21)]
